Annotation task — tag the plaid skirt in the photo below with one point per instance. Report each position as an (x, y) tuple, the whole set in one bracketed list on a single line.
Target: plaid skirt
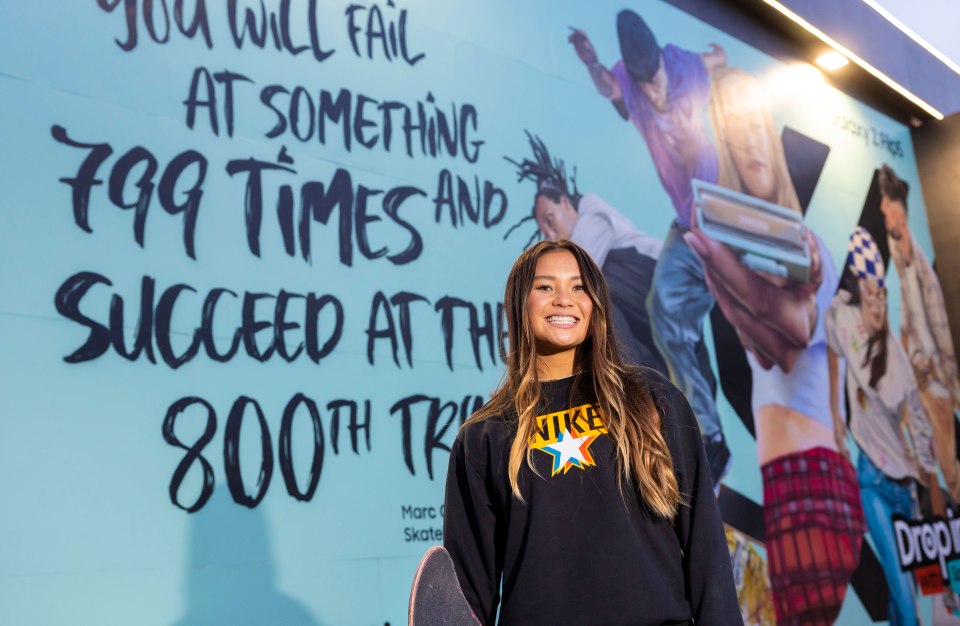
[(814, 528)]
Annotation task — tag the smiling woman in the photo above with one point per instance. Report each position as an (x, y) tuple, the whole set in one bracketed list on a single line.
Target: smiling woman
[(582, 475)]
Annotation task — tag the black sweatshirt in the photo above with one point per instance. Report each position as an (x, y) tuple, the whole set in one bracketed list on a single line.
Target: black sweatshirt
[(577, 552)]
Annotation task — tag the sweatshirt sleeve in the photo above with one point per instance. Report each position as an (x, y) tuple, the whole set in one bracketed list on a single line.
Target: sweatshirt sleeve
[(469, 533), (706, 561)]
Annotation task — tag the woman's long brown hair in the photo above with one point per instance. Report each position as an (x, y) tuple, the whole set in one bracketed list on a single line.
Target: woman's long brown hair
[(623, 396)]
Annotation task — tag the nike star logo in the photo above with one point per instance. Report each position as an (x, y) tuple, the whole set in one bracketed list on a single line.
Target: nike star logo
[(570, 451)]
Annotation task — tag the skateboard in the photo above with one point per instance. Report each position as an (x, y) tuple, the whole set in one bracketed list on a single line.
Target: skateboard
[(436, 598), (750, 578)]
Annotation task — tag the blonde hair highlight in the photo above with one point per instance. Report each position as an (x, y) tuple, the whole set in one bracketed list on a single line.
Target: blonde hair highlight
[(727, 93)]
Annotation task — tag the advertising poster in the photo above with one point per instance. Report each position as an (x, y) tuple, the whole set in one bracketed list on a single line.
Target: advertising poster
[(254, 256)]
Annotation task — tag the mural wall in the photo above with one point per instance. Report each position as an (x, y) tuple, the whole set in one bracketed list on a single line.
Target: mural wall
[(254, 260)]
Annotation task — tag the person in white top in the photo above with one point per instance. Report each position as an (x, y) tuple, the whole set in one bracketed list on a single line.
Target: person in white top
[(886, 417), (924, 328)]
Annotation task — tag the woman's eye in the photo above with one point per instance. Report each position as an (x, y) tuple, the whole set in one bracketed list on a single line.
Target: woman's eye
[(579, 288), (542, 288)]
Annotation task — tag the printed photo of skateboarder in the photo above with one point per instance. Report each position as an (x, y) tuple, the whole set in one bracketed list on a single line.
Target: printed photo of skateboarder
[(924, 327), (664, 93), (775, 294), (886, 419)]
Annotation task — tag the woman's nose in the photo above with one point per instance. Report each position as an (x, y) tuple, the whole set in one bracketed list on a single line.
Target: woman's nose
[(562, 296)]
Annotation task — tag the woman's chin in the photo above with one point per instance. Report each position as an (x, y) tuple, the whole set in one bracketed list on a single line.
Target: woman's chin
[(558, 346)]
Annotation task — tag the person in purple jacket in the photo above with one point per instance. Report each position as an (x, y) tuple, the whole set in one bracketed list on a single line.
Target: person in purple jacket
[(664, 92)]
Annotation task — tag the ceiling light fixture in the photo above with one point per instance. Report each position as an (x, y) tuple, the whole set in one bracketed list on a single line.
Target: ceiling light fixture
[(912, 35), (886, 80), (831, 60)]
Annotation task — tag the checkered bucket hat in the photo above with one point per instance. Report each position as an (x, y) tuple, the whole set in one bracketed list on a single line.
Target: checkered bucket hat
[(864, 256)]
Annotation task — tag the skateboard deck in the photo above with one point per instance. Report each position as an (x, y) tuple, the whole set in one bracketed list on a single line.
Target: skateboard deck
[(750, 578), (436, 598)]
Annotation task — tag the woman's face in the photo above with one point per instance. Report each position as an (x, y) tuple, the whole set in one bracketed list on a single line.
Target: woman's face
[(558, 305), (746, 133), (555, 219), (873, 305)]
